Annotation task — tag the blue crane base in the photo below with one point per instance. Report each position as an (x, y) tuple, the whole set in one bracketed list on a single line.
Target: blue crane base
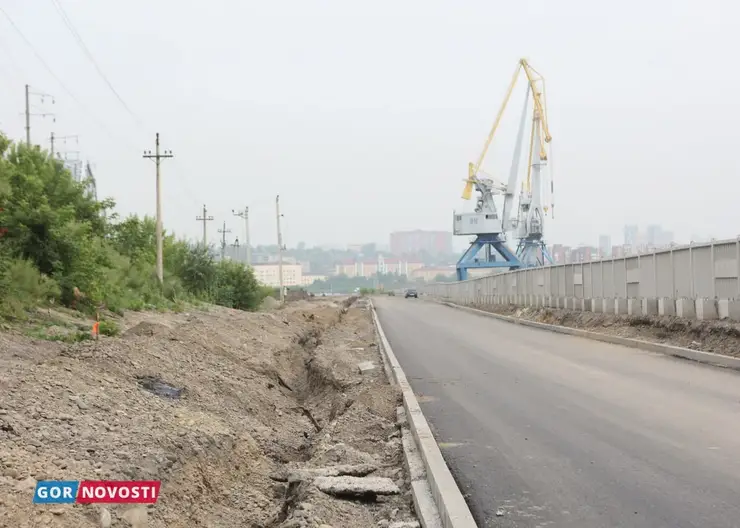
[(533, 253), (498, 249)]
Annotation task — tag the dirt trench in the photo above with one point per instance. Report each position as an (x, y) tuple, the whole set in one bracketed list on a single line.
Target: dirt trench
[(719, 337), (355, 431), (239, 415)]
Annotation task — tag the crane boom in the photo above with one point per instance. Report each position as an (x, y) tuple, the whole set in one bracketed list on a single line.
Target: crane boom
[(473, 169), (533, 78)]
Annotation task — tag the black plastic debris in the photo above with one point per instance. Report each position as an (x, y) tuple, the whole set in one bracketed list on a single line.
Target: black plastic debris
[(159, 387)]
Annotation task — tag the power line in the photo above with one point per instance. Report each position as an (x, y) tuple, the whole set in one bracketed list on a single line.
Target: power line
[(61, 83), (86, 50), (11, 60), (38, 56), (101, 124)]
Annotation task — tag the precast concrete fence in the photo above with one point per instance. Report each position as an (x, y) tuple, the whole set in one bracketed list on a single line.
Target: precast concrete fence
[(700, 281)]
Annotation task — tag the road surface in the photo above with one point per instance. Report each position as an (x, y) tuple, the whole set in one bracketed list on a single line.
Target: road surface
[(543, 429)]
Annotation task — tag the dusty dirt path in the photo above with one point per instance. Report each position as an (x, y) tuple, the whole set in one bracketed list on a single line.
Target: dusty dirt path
[(255, 406)]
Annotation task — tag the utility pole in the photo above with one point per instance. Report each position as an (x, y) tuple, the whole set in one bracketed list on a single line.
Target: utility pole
[(54, 138), (28, 117), (280, 249), (245, 215), (223, 240), (28, 113), (157, 157), (205, 219)]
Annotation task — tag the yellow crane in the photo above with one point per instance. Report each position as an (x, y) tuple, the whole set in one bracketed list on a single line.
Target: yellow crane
[(537, 89)]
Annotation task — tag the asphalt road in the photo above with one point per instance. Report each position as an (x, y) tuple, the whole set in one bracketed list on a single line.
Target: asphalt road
[(561, 431)]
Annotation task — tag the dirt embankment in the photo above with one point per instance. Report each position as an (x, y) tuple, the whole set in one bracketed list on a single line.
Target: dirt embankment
[(719, 337), (242, 416)]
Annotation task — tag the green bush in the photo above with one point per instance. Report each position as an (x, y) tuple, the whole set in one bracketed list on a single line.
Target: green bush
[(108, 328), (236, 286), (22, 287), (57, 245)]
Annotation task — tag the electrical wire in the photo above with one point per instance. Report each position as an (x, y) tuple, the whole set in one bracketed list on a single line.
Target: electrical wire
[(61, 83), (183, 180), (81, 43), (88, 53), (11, 60)]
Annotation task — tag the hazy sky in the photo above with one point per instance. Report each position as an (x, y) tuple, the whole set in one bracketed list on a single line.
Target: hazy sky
[(364, 115)]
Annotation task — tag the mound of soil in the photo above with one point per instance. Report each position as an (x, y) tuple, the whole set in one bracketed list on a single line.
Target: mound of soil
[(719, 337), (216, 404)]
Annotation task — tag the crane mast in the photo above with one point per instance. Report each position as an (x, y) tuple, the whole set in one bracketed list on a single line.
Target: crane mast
[(531, 249), (487, 223)]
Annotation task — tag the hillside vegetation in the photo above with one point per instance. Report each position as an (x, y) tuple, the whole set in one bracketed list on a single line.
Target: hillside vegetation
[(60, 245)]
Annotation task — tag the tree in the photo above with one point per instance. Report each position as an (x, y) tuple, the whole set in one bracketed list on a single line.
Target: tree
[(59, 244), (50, 219), (237, 287)]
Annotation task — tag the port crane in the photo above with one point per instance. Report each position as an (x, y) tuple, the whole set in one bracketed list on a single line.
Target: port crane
[(487, 223)]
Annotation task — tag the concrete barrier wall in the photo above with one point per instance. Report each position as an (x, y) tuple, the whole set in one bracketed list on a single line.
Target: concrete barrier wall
[(698, 281)]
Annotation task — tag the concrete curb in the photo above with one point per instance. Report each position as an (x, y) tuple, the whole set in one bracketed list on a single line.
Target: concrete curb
[(453, 511), (670, 350)]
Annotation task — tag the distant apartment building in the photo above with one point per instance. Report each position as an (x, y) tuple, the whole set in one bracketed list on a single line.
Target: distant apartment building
[(559, 253), (269, 274), (653, 235), (307, 280), (605, 246), (583, 254), (429, 273), (371, 267), (419, 241), (631, 235), (270, 258)]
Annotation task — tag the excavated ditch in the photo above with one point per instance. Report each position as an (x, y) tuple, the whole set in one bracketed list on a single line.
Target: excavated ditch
[(354, 452), (249, 419)]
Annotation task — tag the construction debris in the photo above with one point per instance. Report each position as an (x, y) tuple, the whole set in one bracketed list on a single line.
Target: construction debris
[(301, 475), (356, 486), (366, 366)]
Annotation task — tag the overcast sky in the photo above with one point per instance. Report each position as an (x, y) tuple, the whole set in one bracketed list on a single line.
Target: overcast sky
[(364, 115)]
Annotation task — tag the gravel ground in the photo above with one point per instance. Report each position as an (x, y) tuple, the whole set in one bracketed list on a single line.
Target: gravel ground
[(234, 412), (719, 337)]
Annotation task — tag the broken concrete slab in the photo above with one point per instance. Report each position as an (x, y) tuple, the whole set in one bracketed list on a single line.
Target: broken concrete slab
[(356, 486), (405, 524), (303, 474), (366, 366)]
